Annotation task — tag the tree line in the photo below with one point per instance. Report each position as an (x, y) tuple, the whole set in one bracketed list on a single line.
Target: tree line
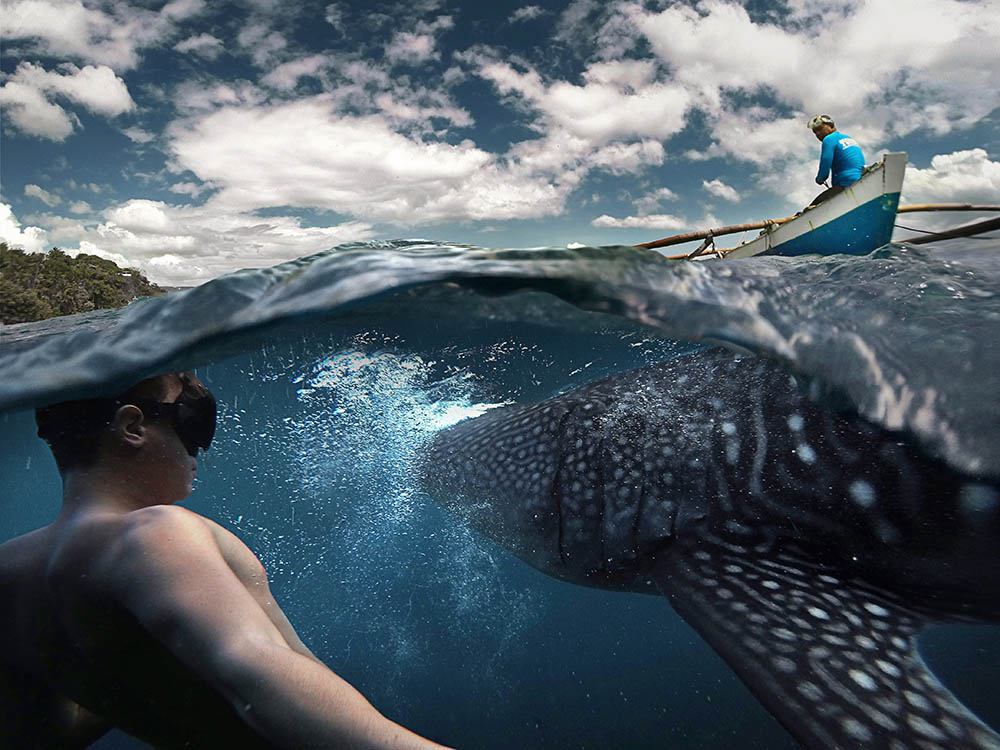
[(35, 286)]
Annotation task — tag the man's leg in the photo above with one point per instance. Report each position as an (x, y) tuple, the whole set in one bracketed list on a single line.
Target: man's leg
[(827, 194)]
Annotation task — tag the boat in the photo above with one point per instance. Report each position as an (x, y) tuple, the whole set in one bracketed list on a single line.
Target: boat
[(855, 221)]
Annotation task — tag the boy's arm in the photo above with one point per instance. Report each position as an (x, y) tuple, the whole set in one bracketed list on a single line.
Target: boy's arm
[(169, 572), (825, 160)]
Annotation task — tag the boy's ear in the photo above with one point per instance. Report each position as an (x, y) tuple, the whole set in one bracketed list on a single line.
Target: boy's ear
[(129, 425)]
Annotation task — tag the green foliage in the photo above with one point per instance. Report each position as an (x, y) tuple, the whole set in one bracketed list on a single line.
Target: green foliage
[(35, 286)]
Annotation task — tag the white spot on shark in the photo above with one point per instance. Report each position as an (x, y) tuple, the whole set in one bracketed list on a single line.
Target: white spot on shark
[(918, 701), (876, 610), (865, 642), (784, 664), (862, 493), (863, 679), (888, 667), (805, 453), (811, 691), (856, 730), (732, 452), (920, 725), (977, 498)]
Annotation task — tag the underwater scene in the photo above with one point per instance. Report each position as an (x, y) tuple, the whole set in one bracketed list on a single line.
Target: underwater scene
[(339, 375)]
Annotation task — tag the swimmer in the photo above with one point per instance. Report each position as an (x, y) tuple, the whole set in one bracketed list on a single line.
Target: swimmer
[(129, 611)]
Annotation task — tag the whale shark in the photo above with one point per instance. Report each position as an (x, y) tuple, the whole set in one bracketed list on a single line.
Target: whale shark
[(808, 546)]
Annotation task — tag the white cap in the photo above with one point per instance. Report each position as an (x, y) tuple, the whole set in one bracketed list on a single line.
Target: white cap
[(820, 120)]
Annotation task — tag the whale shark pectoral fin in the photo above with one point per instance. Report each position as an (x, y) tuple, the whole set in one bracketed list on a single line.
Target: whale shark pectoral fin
[(836, 664)]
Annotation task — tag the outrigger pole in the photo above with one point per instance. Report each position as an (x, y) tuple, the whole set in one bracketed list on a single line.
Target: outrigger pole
[(987, 225), (679, 239)]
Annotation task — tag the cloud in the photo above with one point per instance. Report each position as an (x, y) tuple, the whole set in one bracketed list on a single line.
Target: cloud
[(353, 165), (90, 248), (188, 188), (262, 44), (651, 221), (30, 239), (618, 100), (627, 158), (721, 190), (287, 75), (959, 177), (138, 135), (80, 207), (935, 71), (526, 13), (29, 111), (110, 36), (34, 191), (418, 46), (145, 216), (185, 245), (573, 23), (334, 15), (203, 45), (650, 202), (58, 229), (29, 90)]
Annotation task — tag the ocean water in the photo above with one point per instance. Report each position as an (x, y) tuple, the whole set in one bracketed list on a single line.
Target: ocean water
[(333, 371)]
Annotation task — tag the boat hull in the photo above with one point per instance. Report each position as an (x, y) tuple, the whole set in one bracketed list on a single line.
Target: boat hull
[(856, 221)]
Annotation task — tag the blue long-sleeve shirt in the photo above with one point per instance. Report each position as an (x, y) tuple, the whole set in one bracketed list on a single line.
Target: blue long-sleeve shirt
[(843, 155)]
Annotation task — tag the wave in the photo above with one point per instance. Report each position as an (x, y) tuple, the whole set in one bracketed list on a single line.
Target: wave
[(902, 337)]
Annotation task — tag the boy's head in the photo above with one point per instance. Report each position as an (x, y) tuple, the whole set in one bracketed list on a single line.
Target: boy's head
[(75, 430)]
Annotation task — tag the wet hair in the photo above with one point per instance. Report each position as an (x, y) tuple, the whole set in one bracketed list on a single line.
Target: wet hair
[(73, 429)]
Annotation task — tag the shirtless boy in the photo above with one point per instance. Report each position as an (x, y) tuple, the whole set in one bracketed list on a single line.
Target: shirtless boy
[(129, 611)]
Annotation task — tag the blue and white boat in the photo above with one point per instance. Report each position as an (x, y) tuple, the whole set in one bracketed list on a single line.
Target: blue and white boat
[(855, 221)]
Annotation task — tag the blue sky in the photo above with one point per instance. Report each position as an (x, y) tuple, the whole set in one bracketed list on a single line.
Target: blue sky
[(191, 138)]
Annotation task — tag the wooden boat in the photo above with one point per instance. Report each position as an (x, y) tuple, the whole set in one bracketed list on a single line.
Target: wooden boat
[(855, 221)]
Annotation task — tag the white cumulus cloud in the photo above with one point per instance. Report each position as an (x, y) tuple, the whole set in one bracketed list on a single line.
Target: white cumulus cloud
[(203, 45), (183, 245), (112, 35), (936, 70), (287, 75), (353, 165), (49, 199), (721, 190), (28, 94), (959, 177), (30, 239), (526, 13), (650, 221), (418, 46)]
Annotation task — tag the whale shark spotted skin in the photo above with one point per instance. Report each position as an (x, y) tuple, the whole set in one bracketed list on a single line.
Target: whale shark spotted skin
[(808, 547)]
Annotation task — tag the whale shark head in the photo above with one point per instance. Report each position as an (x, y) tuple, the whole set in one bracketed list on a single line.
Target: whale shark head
[(807, 546)]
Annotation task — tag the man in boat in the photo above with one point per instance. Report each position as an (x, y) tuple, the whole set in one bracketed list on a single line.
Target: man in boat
[(130, 611), (840, 155)]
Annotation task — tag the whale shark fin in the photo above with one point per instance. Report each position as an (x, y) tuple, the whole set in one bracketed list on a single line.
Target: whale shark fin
[(832, 660)]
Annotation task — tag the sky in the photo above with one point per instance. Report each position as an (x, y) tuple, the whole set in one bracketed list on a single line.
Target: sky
[(190, 139)]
